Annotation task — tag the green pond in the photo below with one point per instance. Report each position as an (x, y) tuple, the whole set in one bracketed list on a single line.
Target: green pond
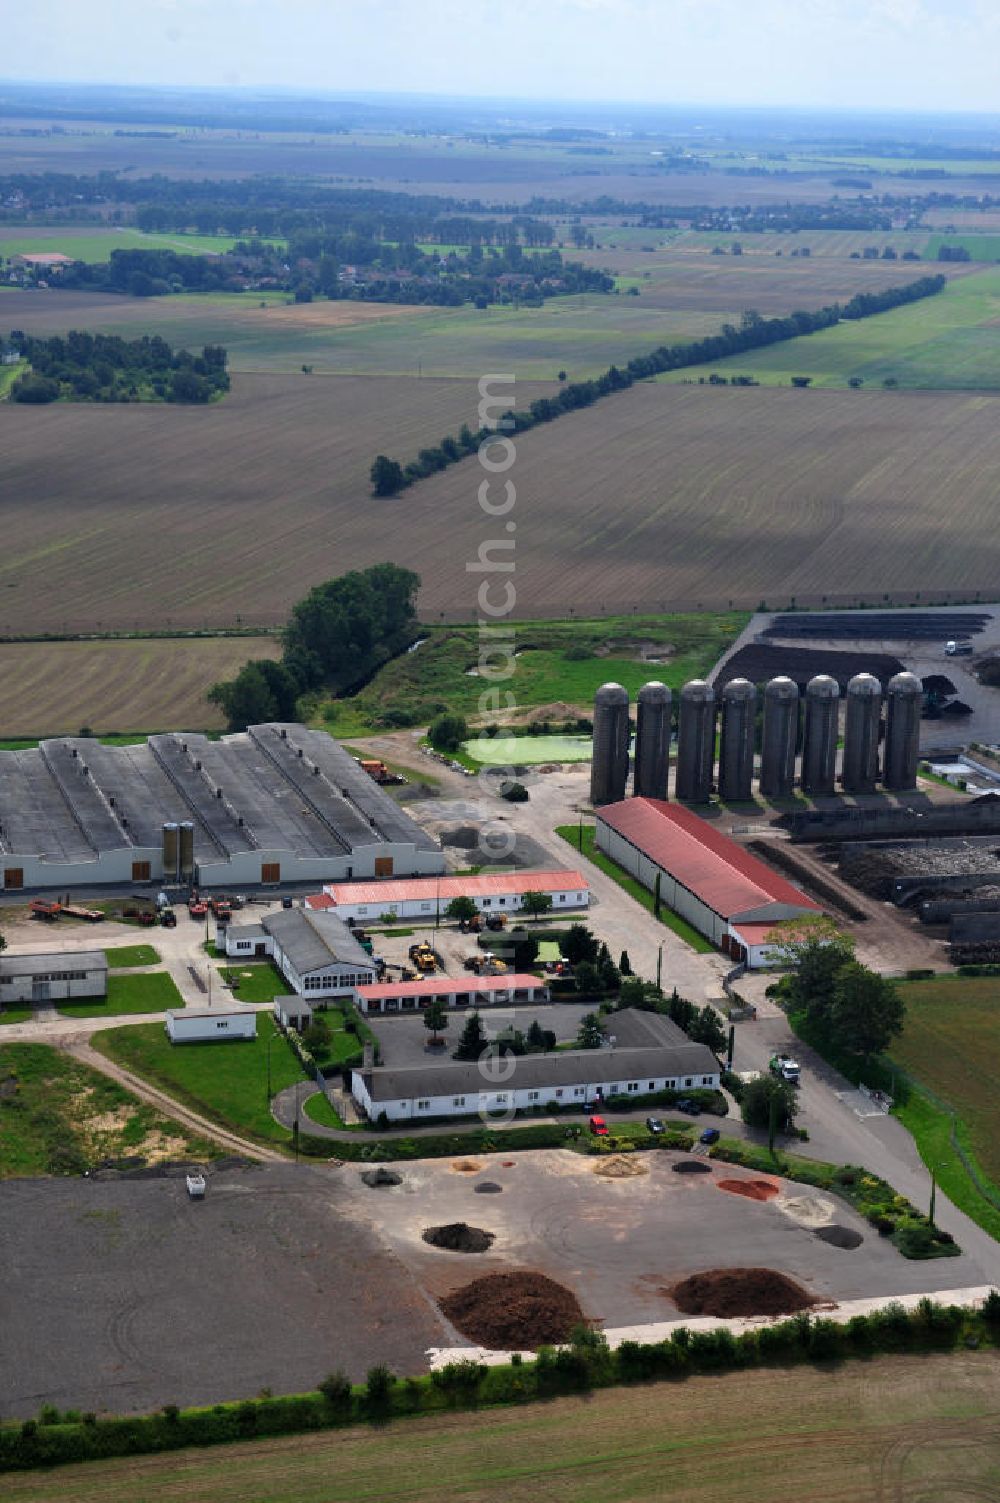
[(510, 751)]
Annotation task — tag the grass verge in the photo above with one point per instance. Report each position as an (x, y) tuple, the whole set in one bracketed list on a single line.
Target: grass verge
[(673, 921), (132, 955), (226, 1082), (155, 992), (255, 983)]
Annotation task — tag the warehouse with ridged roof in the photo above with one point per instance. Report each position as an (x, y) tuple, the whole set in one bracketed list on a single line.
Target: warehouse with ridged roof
[(278, 803)]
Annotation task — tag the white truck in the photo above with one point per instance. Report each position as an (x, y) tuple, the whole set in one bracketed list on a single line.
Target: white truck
[(785, 1068)]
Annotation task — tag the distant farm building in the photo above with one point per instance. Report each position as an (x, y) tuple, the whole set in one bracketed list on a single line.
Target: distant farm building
[(42, 979), (726, 893), (499, 892), (278, 803), (48, 259)]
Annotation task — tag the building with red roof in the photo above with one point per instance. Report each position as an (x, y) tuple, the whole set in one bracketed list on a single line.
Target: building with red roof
[(721, 889), (425, 897)]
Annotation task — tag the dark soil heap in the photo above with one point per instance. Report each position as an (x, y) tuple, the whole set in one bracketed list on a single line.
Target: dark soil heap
[(726, 1292), (691, 1166), (839, 1236), (513, 1311), (374, 1178), (457, 1236), (488, 1187)]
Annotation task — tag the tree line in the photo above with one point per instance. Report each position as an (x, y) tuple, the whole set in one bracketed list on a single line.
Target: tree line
[(82, 367), (389, 476), (336, 637)]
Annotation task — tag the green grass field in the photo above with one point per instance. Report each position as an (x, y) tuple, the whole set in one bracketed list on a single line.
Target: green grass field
[(130, 955), (947, 342), (152, 993), (951, 1043), (585, 845), (96, 244), (16, 1014), (227, 1082), (980, 247), (439, 671), (884, 1431), (9, 374), (255, 983), (57, 1116)]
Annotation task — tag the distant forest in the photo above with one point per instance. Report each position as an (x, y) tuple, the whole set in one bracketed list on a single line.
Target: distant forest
[(104, 368)]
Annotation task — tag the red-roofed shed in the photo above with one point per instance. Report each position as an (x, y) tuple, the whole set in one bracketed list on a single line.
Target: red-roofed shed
[(707, 878)]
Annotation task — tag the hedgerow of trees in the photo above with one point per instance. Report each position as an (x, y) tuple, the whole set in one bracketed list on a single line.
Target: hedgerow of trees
[(104, 368), (336, 637), (851, 1007), (389, 476)]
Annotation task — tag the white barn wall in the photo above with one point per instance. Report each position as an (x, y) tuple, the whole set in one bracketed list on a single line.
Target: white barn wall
[(672, 893), (581, 1096)]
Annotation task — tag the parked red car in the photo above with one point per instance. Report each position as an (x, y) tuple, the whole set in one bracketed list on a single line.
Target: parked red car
[(599, 1127)]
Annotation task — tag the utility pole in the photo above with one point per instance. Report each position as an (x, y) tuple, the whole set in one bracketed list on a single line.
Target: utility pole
[(732, 1046), (930, 1213), (659, 969)]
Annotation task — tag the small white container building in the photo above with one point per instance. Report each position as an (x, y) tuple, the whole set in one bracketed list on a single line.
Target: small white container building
[(202, 1025)]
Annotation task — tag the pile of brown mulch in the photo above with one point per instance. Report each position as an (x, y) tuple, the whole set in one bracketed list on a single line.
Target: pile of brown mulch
[(691, 1166), (457, 1236), (466, 1166), (740, 1291), (839, 1236), (751, 1189), (513, 1311)]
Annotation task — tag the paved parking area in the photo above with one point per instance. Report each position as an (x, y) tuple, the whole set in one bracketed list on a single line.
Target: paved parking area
[(404, 1038), (620, 1244), (127, 1295)]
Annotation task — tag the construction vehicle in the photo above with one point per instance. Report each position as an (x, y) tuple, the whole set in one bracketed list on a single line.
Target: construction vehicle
[(43, 910), (496, 921), (785, 1068), (379, 773), (221, 909), (473, 925), (423, 958), (364, 940), (959, 649), (168, 918), (197, 907)]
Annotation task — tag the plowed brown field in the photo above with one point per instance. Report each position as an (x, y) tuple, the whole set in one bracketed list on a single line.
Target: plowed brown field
[(664, 498)]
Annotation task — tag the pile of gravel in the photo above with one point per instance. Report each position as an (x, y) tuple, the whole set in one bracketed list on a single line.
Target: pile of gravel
[(458, 1236), (839, 1236), (488, 1187), (376, 1178)]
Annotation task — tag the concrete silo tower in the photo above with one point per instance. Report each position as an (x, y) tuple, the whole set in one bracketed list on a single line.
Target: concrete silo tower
[(652, 741), (695, 742), (736, 744), (609, 761), (862, 724), (819, 746), (781, 734), (904, 699)]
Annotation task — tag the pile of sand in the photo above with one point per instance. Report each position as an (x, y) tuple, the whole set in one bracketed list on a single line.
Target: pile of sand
[(620, 1166), (808, 1210), (513, 1311), (466, 1166), (727, 1292), (457, 1236)]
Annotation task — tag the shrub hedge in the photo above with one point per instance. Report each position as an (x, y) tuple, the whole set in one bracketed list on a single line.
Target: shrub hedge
[(586, 1362)]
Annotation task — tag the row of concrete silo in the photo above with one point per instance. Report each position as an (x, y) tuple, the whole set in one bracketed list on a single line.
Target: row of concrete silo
[(735, 710)]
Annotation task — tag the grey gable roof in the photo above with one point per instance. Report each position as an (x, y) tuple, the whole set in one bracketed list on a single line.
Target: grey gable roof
[(313, 940), (58, 960), (568, 1067)]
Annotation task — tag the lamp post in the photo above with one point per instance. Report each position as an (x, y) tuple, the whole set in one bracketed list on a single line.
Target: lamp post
[(270, 1038)]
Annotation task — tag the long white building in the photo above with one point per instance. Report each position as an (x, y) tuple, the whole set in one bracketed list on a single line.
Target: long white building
[(659, 1057), (428, 897)]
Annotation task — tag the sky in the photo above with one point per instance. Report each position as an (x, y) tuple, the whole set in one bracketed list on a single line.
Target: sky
[(919, 55)]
